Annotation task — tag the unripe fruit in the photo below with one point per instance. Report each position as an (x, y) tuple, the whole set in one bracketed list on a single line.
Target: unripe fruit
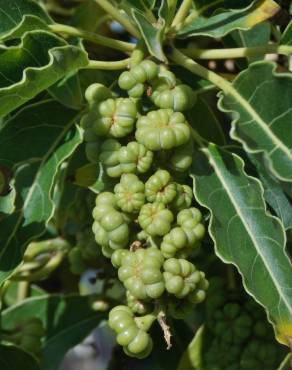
[(183, 279), (182, 157), (109, 157), (115, 117), (135, 158), (130, 193), (160, 188), (134, 80), (135, 341), (183, 198), (141, 275), (155, 219), (162, 129)]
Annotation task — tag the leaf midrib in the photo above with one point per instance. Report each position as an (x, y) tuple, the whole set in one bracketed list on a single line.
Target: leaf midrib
[(246, 105), (233, 201)]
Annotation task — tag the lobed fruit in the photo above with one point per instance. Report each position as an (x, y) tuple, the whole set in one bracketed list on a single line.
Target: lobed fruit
[(155, 219), (160, 187), (135, 341), (130, 193), (114, 117), (135, 158), (141, 274), (183, 279), (169, 93), (162, 129), (134, 80)]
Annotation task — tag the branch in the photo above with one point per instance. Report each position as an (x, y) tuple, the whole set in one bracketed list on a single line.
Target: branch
[(100, 64), (182, 13), (93, 37), (237, 52), (116, 14)]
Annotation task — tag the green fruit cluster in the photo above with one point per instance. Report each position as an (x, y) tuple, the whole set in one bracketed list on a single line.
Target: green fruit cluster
[(135, 340), (145, 221), (240, 338)]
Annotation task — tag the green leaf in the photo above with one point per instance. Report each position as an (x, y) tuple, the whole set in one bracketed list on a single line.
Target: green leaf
[(167, 11), (262, 115), (66, 319), (153, 34), (141, 5), (31, 67), (222, 23), (287, 35), (20, 16), (55, 137), (14, 358), (244, 233), (87, 16), (68, 91), (225, 4), (202, 112), (7, 202), (10, 294), (259, 35), (274, 192), (192, 357)]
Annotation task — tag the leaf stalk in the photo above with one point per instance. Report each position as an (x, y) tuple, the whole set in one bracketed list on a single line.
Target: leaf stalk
[(119, 17), (92, 37), (233, 53)]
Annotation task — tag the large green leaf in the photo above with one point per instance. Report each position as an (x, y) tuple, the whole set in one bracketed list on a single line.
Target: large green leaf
[(66, 319), (261, 107), (153, 34), (31, 67), (19, 16), (14, 358), (203, 112), (68, 91), (244, 233), (274, 192), (222, 23), (52, 128), (259, 35)]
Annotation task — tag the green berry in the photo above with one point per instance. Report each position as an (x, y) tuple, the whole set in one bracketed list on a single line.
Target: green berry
[(162, 129), (190, 221), (182, 157), (110, 227), (115, 117), (134, 80), (155, 219), (135, 157), (117, 256), (136, 306), (178, 98), (160, 188), (183, 279), (183, 198), (96, 93), (109, 157), (130, 193), (135, 341), (175, 241), (141, 273)]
